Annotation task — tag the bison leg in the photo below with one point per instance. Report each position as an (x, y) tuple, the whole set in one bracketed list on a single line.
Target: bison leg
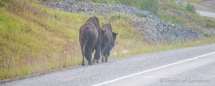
[(103, 60), (97, 55), (102, 52), (89, 49), (106, 59), (83, 49), (88, 55), (83, 62), (107, 55), (83, 55), (90, 62)]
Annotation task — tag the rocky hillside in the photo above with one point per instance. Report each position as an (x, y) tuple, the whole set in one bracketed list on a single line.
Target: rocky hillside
[(150, 26)]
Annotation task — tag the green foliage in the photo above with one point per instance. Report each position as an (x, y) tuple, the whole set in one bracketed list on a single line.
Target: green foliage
[(190, 8), (3, 3), (150, 5), (207, 35)]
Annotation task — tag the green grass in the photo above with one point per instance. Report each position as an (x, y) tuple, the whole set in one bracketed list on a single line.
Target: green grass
[(34, 38)]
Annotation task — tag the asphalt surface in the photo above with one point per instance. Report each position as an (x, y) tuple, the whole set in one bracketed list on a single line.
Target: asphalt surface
[(176, 74), (206, 14), (179, 67)]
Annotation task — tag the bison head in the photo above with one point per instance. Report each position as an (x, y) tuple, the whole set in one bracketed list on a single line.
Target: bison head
[(114, 37)]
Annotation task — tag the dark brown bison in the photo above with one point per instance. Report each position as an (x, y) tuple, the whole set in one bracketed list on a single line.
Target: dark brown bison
[(97, 48), (108, 42), (90, 38)]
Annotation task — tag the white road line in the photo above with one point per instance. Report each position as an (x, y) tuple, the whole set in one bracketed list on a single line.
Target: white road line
[(106, 82)]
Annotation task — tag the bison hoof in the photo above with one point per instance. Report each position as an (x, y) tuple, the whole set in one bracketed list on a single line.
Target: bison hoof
[(94, 61), (90, 63), (103, 60), (97, 61), (83, 64), (106, 60)]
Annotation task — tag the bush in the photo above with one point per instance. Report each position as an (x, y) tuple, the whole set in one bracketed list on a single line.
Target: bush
[(190, 8)]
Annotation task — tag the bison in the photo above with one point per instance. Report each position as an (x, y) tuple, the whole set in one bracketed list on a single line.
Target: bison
[(108, 42), (90, 38)]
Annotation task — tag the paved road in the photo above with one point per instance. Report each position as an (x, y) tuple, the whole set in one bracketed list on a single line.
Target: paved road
[(190, 66), (207, 14), (200, 9)]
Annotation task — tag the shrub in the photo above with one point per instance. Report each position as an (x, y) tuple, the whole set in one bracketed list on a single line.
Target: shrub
[(190, 8)]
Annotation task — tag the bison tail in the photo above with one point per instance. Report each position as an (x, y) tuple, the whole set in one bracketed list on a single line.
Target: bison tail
[(86, 33)]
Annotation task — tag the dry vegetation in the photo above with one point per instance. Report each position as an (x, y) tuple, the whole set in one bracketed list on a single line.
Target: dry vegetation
[(34, 38)]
